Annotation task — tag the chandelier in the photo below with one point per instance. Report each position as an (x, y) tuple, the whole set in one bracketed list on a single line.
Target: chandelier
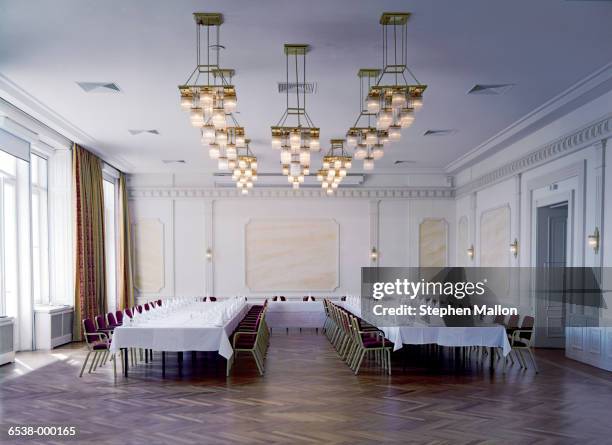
[(244, 170), (209, 96), (336, 164), (297, 141), (363, 137), (393, 98)]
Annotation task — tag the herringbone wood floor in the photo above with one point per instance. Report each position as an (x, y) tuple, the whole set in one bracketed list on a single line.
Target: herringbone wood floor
[(309, 396)]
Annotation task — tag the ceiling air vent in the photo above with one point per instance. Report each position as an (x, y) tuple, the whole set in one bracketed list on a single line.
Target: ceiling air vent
[(439, 132), (292, 87), (400, 162), (491, 89), (135, 132), (174, 161), (99, 87)]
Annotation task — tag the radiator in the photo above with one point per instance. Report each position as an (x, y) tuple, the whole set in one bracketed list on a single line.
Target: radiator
[(7, 340), (53, 326)]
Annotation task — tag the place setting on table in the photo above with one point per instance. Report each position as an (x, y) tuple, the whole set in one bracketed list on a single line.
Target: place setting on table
[(178, 325)]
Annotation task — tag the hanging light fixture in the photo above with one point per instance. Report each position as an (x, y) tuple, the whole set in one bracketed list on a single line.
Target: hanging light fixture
[(336, 164), (296, 142), (244, 172), (392, 97), (209, 95)]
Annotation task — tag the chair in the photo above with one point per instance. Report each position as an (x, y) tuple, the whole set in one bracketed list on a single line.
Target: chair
[(102, 326), (147, 307), (129, 313), (521, 340), (282, 298), (119, 317), (499, 319), (159, 302), (512, 324), (252, 337), (98, 343), (304, 298), (139, 309), (112, 321), (212, 298)]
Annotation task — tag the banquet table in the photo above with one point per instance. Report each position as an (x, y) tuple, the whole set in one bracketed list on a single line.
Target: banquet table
[(295, 314), (189, 328)]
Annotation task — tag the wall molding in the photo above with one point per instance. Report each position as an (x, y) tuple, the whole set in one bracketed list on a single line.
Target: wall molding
[(574, 141), (276, 193)]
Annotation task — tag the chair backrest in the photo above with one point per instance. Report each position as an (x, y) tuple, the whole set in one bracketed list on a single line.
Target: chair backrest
[(304, 298), (312, 299), (139, 308), (152, 304), (146, 306), (159, 302), (527, 328), (101, 322), (499, 319), (282, 298), (212, 298), (110, 319), (513, 321), (342, 298), (129, 312), (89, 328), (119, 316), (274, 298)]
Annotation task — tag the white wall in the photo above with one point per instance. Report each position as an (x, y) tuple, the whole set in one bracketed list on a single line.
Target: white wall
[(214, 219)]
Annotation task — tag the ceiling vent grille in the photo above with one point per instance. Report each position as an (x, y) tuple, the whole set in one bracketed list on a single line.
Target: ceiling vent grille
[(292, 87), (491, 89), (99, 87), (403, 161), (135, 132), (439, 132), (174, 161)]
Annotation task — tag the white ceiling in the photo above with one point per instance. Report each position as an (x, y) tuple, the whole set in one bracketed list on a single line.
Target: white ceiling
[(147, 48)]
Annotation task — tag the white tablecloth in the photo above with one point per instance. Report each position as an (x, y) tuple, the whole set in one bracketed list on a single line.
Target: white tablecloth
[(491, 335), (295, 314), (184, 330)]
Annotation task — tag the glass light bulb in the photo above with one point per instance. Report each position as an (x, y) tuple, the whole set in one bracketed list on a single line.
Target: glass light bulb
[(245, 191), (300, 179), (221, 138), (196, 117), (395, 133), (231, 163), (304, 157), (285, 157), (231, 152), (337, 164), (295, 169), (406, 118), (342, 172), (334, 185), (242, 164), (254, 165), (295, 139), (319, 176), (351, 140), (208, 133), (276, 141), (372, 103), (285, 170), (240, 140), (222, 163), (186, 102), (417, 102), (206, 98), (296, 185), (306, 171), (213, 151), (398, 99), (368, 163), (315, 145), (348, 165), (218, 118), (325, 184), (329, 191), (371, 138), (326, 165), (229, 103), (378, 151), (361, 152)]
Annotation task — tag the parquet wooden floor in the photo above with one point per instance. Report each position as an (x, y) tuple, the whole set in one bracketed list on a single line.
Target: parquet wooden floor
[(309, 396)]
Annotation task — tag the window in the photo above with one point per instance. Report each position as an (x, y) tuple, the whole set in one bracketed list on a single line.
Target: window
[(8, 235), (40, 238), (110, 243)]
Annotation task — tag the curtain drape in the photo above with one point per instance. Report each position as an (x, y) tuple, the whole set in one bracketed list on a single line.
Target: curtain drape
[(90, 277), (125, 285)]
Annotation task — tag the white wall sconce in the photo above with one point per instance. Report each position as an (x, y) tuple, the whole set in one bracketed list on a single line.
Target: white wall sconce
[(209, 254), (374, 255), (593, 240), (514, 248), (470, 252)]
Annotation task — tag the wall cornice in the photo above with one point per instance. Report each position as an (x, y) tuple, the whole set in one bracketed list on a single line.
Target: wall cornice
[(277, 193), (574, 141)]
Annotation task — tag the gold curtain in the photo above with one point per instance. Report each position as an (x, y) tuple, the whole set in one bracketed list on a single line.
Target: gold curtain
[(125, 284), (88, 203)]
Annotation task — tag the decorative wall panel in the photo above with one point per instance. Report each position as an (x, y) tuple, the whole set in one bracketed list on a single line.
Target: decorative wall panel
[(495, 237), (148, 237), (433, 243), (291, 255), (462, 241)]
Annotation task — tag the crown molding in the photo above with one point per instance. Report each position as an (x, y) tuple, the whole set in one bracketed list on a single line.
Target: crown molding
[(571, 142), (552, 109), (278, 193)]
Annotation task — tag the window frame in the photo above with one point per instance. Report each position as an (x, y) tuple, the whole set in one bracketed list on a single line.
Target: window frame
[(6, 178), (112, 177), (44, 240)]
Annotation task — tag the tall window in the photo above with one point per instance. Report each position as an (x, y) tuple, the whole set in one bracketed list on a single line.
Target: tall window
[(110, 243), (8, 235), (40, 238)]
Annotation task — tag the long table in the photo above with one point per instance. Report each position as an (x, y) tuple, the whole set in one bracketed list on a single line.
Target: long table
[(295, 314), (484, 334), (183, 330)]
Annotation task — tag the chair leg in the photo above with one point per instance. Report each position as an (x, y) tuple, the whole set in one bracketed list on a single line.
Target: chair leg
[(84, 363), (114, 359), (361, 355), (93, 361), (259, 365), (532, 357)]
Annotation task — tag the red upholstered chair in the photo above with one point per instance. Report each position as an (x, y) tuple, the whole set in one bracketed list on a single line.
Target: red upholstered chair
[(304, 298), (153, 305), (512, 324), (159, 302), (521, 340), (98, 343), (119, 317), (499, 319), (312, 299), (129, 313), (102, 326), (146, 307), (139, 308), (274, 298), (212, 298), (282, 298), (112, 321)]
